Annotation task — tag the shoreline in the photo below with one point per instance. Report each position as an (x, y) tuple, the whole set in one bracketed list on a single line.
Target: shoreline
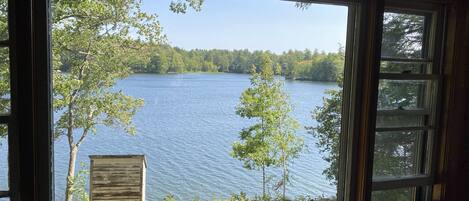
[(215, 73)]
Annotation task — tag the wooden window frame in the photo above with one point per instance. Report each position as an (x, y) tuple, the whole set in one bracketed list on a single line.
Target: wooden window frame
[(368, 130), (431, 56), (30, 124)]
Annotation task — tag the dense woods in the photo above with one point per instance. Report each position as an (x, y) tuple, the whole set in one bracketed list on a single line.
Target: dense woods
[(293, 64)]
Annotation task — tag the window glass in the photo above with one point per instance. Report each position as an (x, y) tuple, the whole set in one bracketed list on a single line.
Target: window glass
[(405, 106), (404, 194), (403, 94), (403, 35), (4, 81), (3, 158), (396, 153), (3, 20)]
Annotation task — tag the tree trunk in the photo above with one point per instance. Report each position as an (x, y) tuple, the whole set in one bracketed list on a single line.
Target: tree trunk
[(263, 182), (71, 173), (284, 178)]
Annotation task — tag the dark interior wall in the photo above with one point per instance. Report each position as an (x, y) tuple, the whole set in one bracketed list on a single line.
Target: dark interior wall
[(454, 161)]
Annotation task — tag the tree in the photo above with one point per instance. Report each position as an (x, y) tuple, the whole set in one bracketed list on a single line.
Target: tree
[(327, 131), (93, 38), (273, 133), (158, 63), (97, 43), (324, 70), (181, 6), (287, 145), (176, 63)]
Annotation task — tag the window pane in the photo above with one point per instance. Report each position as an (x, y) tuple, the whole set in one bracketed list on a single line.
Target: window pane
[(402, 35), (404, 67), (201, 132), (403, 94), (396, 153), (3, 20), (4, 81), (404, 194), (3, 158)]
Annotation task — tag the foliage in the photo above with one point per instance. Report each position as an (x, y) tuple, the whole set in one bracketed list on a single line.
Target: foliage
[(292, 64), (327, 132), (169, 197), (271, 140), (287, 146), (95, 43), (80, 183), (258, 102), (181, 6)]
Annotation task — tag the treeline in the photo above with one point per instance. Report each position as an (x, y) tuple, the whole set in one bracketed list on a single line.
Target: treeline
[(293, 64)]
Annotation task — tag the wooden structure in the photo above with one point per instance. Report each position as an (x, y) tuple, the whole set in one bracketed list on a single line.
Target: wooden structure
[(117, 177)]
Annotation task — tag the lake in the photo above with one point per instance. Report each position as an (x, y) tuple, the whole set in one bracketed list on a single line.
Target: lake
[(186, 129)]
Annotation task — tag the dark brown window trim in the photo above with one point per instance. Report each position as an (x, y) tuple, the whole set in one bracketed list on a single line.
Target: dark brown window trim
[(30, 126)]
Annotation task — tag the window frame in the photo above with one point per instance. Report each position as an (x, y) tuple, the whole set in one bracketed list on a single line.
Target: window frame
[(30, 152), (432, 54), (4, 118)]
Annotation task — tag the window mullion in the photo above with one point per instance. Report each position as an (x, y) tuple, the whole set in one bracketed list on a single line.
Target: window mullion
[(411, 128), (4, 194), (4, 43), (414, 112), (410, 77), (408, 60), (386, 183), (4, 119)]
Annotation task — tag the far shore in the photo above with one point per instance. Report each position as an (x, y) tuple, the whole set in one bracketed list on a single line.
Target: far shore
[(203, 72)]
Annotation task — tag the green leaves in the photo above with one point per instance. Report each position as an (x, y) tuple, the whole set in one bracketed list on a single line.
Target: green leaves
[(271, 140), (181, 6), (328, 130), (93, 42)]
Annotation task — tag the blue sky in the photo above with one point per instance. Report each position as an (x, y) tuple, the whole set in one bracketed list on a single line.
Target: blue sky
[(273, 25)]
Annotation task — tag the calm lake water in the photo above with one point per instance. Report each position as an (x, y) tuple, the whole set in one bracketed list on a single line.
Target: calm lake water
[(186, 129)]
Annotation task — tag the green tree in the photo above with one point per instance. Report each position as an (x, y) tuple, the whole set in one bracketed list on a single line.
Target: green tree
[(181, 6), (80, 183), (95, 38), (273, 133), (327, 131), (176, 63), (158, 63), (287, 145)]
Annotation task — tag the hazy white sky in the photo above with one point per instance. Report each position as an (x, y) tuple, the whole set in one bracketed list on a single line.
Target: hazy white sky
[(273, 25)]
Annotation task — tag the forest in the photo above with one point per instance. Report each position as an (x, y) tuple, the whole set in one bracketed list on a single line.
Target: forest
[(292, 64)]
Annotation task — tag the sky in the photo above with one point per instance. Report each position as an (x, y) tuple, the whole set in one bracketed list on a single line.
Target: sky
[(273, 25)]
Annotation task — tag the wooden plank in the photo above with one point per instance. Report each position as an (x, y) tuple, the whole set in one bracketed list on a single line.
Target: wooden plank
[(117, 177)]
